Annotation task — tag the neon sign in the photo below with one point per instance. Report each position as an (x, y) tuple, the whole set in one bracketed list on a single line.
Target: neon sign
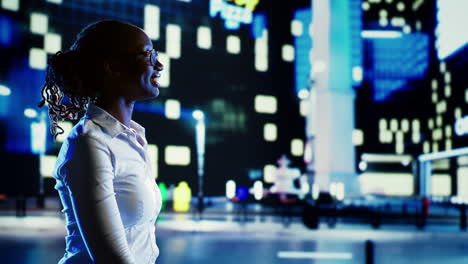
[(461, 126), (241, 11)]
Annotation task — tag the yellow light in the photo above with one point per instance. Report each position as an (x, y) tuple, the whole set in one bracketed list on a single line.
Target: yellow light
[(296, 28), (269, 173), (151, 21), (441, 185), (177, 155), (172, 109), (233, 44), (287, 53), (265, 104), (270, 132), (358, 137), (67, 127), (173, 41), (401, 184), (47, 165), (52, 42), (405, 125), (37, 59), (297, 147), (182, 197), (39, 23), (204, 37), (152, 151)]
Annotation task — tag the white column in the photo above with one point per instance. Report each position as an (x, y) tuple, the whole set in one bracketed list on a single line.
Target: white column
[(331, 121)]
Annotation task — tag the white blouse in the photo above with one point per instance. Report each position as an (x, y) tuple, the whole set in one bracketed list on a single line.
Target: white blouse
[(109, 196)]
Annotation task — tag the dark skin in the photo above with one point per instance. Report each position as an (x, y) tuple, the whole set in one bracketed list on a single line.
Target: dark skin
[(130, 78)]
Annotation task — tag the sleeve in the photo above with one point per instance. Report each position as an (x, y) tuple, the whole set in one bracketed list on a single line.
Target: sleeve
[(89, 178)]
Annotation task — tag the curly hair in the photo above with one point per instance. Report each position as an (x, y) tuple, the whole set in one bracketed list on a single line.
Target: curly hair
[(73, 75)]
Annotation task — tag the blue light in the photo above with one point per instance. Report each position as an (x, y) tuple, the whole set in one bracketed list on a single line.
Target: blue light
[(302, 45), (5, 31), (394, 61), (258, 25), (451, 30)]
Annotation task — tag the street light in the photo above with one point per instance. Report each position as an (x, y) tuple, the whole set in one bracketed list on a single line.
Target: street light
[(200, 142)]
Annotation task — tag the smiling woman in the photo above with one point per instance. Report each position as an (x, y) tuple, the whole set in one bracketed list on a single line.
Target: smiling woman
[(103, 173)]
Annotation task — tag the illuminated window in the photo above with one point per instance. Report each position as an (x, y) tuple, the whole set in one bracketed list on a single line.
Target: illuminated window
[(382, 137), (466, 95), (55, 1), (441, 185), (152, 151), (230, 189), (462, 182), (405, 125), (304, 107), (52, 42), (270, 132), (458, 113), (233, 44), (448, 90), (383, 13), (435, 147), (177, 155), (266, 104), (382, 124), (173, 41), (434, 84), (67, 127), (12, 5), (47, 165), (434, 97), (165, 79), (399, 136), (398, 21), (430, 123), (416, 137), (172, 109), (151, 21), (30, 113), (357, 73), (401, 6), (418, 25), (204, 37), (406, 29), (401, 184), (261, 52), (287, 53), (426, 147), (258, 190), (399, 148), (448, 131), (383, 21), (442, 67), (358, 137), (296, 28), (447, 77), (393, 125), (297, 147), (4, 91), (269, 173), (365, 6), (448, 144), (439, 121), (39, 23), (37, 59)]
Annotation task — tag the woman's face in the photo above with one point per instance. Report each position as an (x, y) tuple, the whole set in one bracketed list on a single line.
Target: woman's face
[(140, 79)]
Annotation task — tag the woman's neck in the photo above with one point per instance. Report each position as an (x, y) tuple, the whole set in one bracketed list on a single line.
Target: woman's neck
[(119, 108)]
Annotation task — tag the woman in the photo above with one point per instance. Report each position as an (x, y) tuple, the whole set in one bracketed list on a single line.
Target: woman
[(103, 174)]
